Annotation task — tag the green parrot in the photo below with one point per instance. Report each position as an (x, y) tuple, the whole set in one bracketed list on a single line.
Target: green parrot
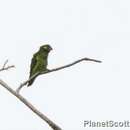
[(39, 61)]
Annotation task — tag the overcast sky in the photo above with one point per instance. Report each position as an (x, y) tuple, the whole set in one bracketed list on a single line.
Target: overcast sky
[(75, 29)]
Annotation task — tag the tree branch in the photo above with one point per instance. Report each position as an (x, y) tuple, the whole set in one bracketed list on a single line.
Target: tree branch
[(30, 106), (25, 101), (6, 67), (55, 69)]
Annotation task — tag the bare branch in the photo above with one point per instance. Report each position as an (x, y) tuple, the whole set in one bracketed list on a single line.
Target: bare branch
[(27, 103), (56, 69), (6, 67), (30, 106)]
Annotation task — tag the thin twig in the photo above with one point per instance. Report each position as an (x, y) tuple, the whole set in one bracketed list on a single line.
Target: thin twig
[(5, 63), (55, 69), (6, 67), (30, 106)]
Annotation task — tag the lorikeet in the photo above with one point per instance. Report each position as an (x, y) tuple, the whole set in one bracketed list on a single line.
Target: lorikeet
[(39, 61)]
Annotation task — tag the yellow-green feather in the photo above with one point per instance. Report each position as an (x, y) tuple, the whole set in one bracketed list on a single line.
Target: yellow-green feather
[(38, 64)]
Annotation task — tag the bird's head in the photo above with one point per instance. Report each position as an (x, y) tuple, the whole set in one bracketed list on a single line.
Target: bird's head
[(46, 48)]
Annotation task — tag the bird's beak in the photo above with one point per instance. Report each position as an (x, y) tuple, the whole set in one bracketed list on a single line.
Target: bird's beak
[(51, 48)]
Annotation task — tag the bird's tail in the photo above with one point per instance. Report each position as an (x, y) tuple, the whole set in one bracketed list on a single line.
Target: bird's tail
[(31, 82)]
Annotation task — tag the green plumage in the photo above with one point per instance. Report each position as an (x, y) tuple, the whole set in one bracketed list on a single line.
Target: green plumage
[(39, 61)]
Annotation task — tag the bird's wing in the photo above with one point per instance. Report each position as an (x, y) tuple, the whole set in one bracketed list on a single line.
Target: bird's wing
[(33, 64)]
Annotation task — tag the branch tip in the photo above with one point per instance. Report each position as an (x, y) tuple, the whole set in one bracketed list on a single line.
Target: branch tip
[(5, 67)]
